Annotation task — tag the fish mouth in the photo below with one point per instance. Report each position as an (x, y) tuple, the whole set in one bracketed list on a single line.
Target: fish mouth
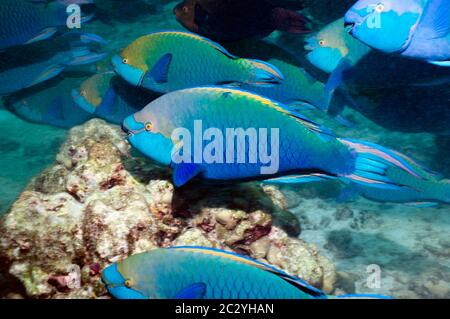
[(126, 130)]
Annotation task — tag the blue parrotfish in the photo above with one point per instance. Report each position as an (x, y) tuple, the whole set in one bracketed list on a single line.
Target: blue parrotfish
[(49, 104), (418, 29), (190, 272), (107, 96), (21, 68), (173, 60), (291, 147), (28, 21), (334, 51)]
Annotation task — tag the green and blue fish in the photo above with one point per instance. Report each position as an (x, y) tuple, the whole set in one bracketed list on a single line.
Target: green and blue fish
[(418, 29), (24, 67), (290, 149), (28, 21), (110, 98), (173, 60), (204, 273), (50, 105)]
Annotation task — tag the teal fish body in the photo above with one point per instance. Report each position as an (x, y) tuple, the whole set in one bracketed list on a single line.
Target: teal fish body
[(191, 272), (417, 29), (201, 273), (51, 105), (303, 145), (108, 97), (194, 132), (169, 61), (297, 88)]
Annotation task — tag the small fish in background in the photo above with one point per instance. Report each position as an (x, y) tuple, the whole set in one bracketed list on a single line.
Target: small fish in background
[(233, 20), (27, 21), (331, 45), (334, 51), (51, 104), (306, 151), (367, 76), (190, 272), (168, 61), (418, 29), (110, 98), (22, 77)]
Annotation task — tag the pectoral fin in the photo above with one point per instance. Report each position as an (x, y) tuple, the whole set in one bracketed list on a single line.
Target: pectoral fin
[(298, 179), (184, 172), (160, 70), (194, 291), (335, 80)]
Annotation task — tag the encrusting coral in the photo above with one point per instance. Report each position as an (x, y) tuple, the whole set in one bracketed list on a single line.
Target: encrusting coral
[(99, 204)]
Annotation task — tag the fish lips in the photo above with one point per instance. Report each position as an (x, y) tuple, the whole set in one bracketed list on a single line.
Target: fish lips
[(129, 73), (115, 283)]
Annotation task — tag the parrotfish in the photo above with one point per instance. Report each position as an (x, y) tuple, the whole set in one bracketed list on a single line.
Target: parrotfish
[(418, 29), (189, 272), (278, 145), (23, 67), (28, 21), (331, 45), (365, 76), (50, 105), (334, 51), (168, 61), (234, 20), (108, 97)]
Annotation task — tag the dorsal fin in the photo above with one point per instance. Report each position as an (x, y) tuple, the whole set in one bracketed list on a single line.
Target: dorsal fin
[(297, 282), (215, 45), (308, 123)]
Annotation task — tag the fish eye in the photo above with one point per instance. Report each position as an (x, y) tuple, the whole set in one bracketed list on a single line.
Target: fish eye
[(125, 61), (148, 126), (83, 93), (128, 283), (379, 7), (322, 43), (185, 9)]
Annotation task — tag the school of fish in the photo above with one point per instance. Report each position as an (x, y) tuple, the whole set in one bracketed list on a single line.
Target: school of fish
[(168, 85)]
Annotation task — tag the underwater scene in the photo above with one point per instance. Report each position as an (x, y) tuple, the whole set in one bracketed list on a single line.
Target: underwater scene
[(224, 149)]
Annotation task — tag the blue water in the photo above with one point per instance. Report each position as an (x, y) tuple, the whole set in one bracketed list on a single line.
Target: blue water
[(410, 245)]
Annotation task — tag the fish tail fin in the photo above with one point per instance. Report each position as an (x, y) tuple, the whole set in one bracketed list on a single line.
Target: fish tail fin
[(373, 163), (82, 55), (290, 21), (264, 74)]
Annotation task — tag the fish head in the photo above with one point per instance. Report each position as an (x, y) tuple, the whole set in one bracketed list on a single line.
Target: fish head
[(131, 62), (185, 14), (120, 282), (147, 132), (91, 93), (386, 25), (327, 47)]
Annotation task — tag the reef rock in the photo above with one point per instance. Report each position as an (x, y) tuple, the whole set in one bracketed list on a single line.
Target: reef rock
[(99, 204)]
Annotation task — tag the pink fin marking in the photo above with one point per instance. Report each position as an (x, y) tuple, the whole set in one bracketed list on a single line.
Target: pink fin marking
[(367, 149)]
